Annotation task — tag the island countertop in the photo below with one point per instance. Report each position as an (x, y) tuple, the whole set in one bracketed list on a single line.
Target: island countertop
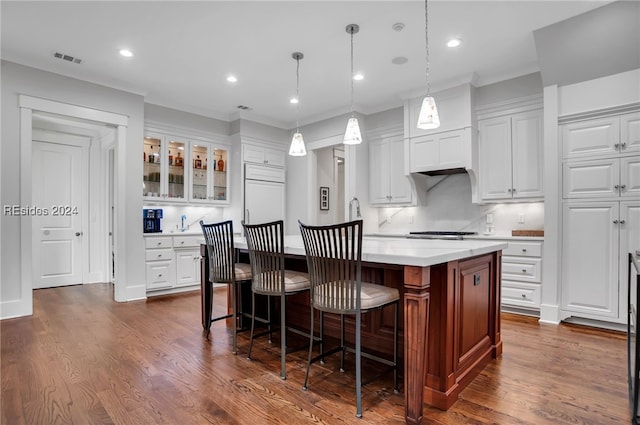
[(402, 251)]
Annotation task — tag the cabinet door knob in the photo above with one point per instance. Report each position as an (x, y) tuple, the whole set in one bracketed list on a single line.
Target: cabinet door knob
[(623, 186), (160, 275), (623, 146), (513, 190), (615, 222), (622, 221), (616, 187), (509, 190), (616, 146)]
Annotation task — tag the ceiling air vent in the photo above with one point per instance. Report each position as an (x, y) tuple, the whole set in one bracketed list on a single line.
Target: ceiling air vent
[(67, 58)]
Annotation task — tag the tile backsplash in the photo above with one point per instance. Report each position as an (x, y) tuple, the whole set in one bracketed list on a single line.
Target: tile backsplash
[(449, 207), (172, 221)]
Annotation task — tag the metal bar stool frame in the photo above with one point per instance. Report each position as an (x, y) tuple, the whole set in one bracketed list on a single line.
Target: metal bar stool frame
[(334, 259)]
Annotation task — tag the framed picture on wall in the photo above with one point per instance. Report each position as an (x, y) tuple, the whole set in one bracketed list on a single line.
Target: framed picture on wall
[(324, 198)]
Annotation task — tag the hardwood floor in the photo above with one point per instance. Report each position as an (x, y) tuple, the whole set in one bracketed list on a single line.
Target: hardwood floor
[(84, 359)]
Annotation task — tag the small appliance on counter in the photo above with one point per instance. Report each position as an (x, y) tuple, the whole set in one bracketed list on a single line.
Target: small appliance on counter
[(151, 219)]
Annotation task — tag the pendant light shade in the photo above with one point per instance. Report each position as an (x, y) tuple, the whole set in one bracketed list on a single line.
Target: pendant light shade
[(428, 118), (297, 147), (352, 136)]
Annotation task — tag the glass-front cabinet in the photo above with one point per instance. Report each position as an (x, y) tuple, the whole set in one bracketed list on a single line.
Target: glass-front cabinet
[(184, 170), (209, 179)]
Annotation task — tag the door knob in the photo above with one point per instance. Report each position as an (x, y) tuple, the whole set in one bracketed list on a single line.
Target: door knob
[(78, 233)]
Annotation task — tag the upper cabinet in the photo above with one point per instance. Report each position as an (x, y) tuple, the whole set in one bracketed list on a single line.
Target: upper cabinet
[(263, 155), (601, 137), (388, 184), (510, 150), (601, 157), (184, 169)]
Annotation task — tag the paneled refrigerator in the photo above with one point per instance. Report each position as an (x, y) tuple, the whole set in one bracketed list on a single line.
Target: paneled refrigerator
[(264, 194)]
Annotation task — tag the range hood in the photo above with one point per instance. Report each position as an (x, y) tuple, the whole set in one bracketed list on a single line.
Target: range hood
[(452, 148)]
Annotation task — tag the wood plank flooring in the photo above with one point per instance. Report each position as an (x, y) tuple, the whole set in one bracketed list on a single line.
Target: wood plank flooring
[(84, 359)]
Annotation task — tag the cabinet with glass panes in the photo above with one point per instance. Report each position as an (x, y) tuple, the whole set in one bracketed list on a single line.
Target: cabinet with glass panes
[(163, 168), (184, 169), (209, 179)]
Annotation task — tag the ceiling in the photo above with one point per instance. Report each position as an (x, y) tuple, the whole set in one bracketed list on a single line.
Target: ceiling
[(183, 51)]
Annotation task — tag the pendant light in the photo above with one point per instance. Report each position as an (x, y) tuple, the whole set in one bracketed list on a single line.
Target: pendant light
[(428, 118), (352, 136), (297, 147)]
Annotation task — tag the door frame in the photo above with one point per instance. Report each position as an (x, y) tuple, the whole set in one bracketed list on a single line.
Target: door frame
[(28, 105)]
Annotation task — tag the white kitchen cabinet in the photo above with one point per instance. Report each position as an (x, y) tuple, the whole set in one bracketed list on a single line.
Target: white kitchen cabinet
[(184, 169), (609, 177), (172, 263), (388, 184), (590, 278), (164, 159), (209, 180), (440, 151), (601, 214), (602, 137), (263, 155), (159, 263), (522, 275), (510, 150)]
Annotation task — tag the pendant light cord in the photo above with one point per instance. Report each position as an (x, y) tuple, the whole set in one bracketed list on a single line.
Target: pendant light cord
[(426, 37), (351, 31), (298, 94)]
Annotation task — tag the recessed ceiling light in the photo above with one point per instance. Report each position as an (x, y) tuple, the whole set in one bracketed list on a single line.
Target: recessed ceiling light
[(126, 53), (232, 79), (293, 100), (358, 77), (399, 60), (454, 42)]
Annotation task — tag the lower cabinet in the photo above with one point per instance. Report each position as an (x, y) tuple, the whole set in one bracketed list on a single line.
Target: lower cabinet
[(172, 263), (521, 276), (596, 238)]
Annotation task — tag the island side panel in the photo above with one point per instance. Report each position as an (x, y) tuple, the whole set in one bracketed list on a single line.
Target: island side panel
[(417, 282), (464, 326)]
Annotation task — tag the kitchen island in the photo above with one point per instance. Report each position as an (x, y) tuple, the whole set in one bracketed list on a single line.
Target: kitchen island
[(450, 306)]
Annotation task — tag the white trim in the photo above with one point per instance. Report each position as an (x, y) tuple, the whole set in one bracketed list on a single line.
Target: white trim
[(82, 112), (598, 113), (396, 130), (184, 132), (27, 104), (26, 137), (511, 106)]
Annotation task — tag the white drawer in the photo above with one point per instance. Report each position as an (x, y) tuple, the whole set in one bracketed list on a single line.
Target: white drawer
[(521, 269), (188, 241), (524, 249), (157, 242), (158, 254), (520, 294), (160, 274)]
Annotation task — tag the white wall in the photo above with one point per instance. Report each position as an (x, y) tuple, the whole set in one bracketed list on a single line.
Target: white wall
[(17, 79), (324, 177)]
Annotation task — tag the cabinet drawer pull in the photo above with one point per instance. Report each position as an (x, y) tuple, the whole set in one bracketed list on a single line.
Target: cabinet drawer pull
[(524, 249), (159, 255), (524, 295), (159, 243), (524, 270), (181, 242), (160, 275)]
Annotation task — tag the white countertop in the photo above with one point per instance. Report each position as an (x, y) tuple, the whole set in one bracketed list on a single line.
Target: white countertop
[(401, 251)]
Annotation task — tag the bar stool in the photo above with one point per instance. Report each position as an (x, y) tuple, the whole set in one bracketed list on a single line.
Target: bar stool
[(224, 269), (270, 278), (334, 259)]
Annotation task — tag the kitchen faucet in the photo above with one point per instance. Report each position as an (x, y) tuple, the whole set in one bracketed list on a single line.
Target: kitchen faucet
[(354, 199)]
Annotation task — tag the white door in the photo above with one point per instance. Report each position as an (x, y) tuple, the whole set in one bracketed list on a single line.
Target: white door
[(399, 185), (495, 158), (57, 178), (526, 145), (379, 172)]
